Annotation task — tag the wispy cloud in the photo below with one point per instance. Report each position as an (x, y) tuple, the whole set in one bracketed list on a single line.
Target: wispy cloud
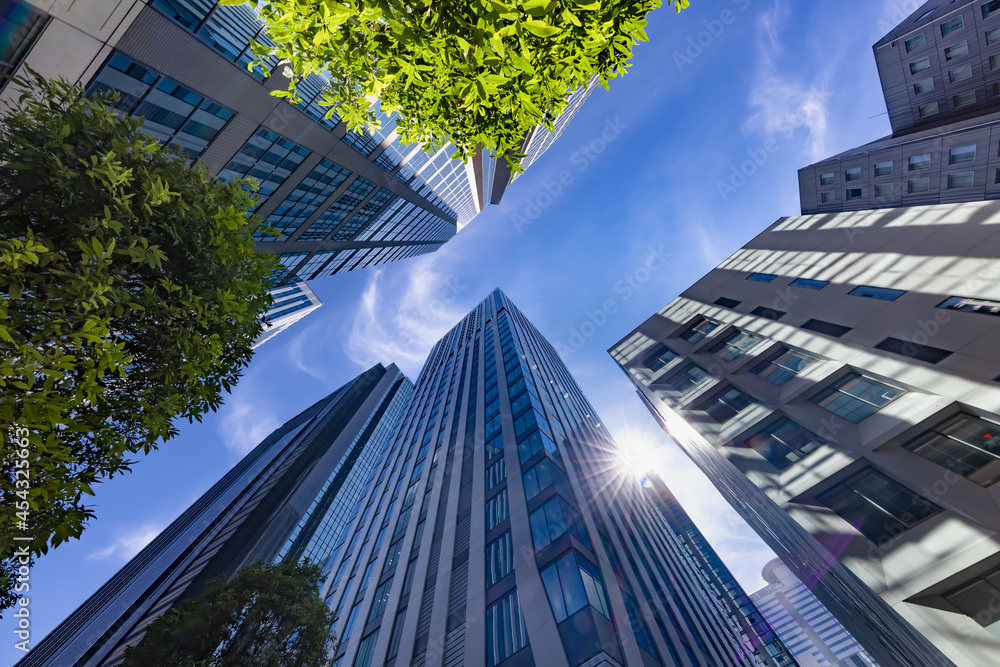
[(128, 544), (245, 423), (297, 351)]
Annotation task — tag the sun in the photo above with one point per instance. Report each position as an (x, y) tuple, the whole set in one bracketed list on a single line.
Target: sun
[(637, 457)]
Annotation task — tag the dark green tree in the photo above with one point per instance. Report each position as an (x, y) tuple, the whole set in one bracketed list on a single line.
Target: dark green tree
[(477, 73), (263, 617), (130, 295)]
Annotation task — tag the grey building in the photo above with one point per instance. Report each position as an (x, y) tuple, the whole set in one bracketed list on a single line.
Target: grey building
[(836, 378), (809, 630), (291, 303), (499, 528), (288, 498)]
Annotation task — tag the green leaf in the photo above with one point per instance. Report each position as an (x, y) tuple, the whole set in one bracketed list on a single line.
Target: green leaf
[(541, 28)]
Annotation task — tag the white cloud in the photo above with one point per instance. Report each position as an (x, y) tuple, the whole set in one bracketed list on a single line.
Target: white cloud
[(245, 423), (297, 354), (129, 544)]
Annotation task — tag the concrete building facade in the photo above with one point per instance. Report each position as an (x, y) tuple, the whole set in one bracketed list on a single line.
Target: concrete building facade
[(286, 499), (836, 378)]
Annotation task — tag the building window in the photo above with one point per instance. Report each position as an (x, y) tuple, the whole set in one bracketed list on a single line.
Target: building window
[(918, 185), (826, 179), (541, 477), (918, 66), (994, 63), (499, 559), (639, 629), (660, 357), (883, 190), (964, 99), (726, 303), (883, 168), (827, 197), (920, 162), (853, 193), (957, 51), (506, 632), (572, 583), (736, 344), (761, 277), (699, 330), (883, 293), (993, 36), (916, 42), (852, 174), (381, 599), (926, 110), (768, 313), (397, 634), (980, 598), (784, 367), (931, 355), (925, 86), (952, 25), (960, 73), (962, 154), (965, 444), (20, 25), (726, 404), (961, 181), (783, 443), (554, 519), (366, 650), (991, 8), (497, 509), (495, 474), (351, 619), (856, 397), (686, 379), (971, 305), (876, 506), (827, 328)]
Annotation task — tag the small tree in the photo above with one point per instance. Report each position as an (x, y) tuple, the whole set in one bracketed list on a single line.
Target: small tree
[(130, 295), (477, 73), (263, 616)]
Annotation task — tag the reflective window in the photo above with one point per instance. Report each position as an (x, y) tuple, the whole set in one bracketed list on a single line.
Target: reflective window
[(540, 477), (979, 599), (852, 194), (736, 344), (990, 8), (856, 397), (784, 367), (761, 277), (827, 197), (918, 185), (971, 305), (852, 174), (952, 25), (495, 474), (364, 216), (783, 442), (993, 36), (917, 42), (497, 509), (345, 204), (960, 73), (397, 634), (883, 168), (366, 650), (639, 629), (554, 519), (506, 632), (925, 86), (883, 189), (920, 162), (826, 179), (381, 599), (687, 378), (957, 51), (930, 109), (961, 181), (499, 559), (314, 189), (268, 158), (572, 583), (918, 66), (699, 330), (20, 25), (962, 154), (882, 293), (659, 357), (965, 444), (964, 99), (726, 404)]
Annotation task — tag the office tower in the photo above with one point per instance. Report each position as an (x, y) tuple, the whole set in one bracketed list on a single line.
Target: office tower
[(498, 528), (291, 303), (838, 377), (809, 630), (288, 498), (940, 73), (767, 646)]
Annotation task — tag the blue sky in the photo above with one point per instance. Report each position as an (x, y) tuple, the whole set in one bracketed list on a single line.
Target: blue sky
[(779, 82)]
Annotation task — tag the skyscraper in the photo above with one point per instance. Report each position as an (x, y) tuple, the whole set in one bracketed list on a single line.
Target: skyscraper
[(809, 630), (291, 303), (288, 498), (498, 528), (838, 376)]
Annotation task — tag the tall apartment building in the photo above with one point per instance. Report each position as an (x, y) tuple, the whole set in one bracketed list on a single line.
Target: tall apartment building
[(499, 528), (810, 631), (288, 498), (838, 378)]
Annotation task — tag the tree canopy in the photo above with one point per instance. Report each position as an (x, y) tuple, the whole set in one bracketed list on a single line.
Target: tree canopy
[(265, 616), (130, 295), (477, 73)]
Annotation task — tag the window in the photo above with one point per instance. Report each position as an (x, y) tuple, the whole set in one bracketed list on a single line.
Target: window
[(783, 442), (553, 520), (852, 194), (366, 650), (828, 328), (918, 185), (991, 8), (826, 179), (964, 99), (397, 633), (993, 36), (883, 293), (925, 86), (497, 510), (876, 506), (533, 444), (856, 397), (994, 63), (540, 477), (699, 330), (726, 404), (736, 344), (957, 51), (980, 598), (962, 154), (916, 42), (827, 197), (761, 277), (686, 379), (639, 629), (499, 559), (367, 576), (965, 444), (395, 549), (920, 162), (905, 348), (784, 367), (926, 110), (381, 599), (960, 73), (961, 181), (726, 303), (349, 627), (918, 66), (20, 24), (883, 168), (660, 357), (572, 583), (952, 25), (495, 474), (506, 632), (852, 174), (883, 190), (971, 305)]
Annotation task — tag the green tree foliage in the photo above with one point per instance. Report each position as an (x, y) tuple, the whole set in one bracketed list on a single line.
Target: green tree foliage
[(264, 616), (130, 295), (478, 73)]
